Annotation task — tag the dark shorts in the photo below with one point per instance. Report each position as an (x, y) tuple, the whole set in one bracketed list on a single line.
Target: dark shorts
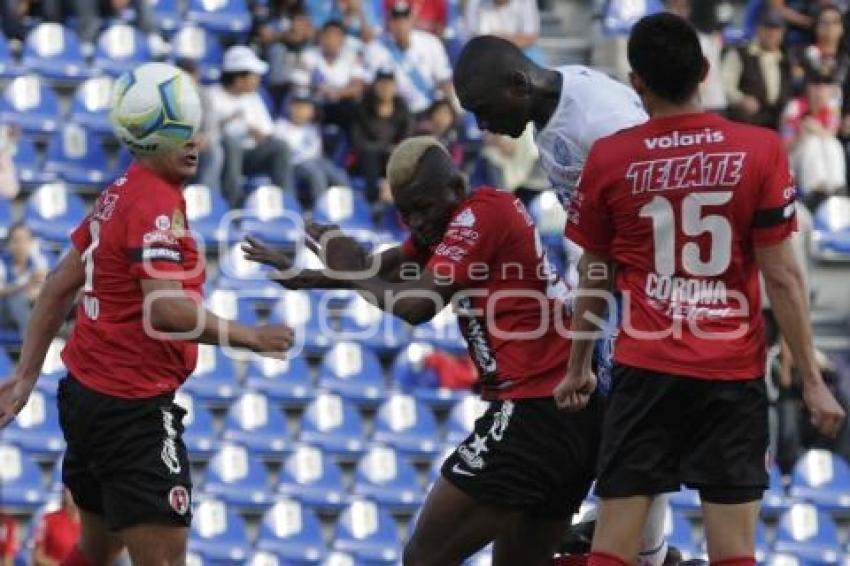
[(125, 459), (663, 430), (528, 455)]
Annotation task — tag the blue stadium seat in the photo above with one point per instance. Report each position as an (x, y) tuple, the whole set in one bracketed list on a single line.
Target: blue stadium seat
[(21, 480), (256, 423), (195, 559), (336, 558), (808, 533), (348, 209), (200, 435), (237, 477), (620, 15), (90, 105), (228, 304), (29, 165), (168, 14), (334, 425), (391, 225), (218, 534), (300, 311), (831, 229), (274, 216), (384, 476), (121, 48), (313, 478), (292, 531), (9, 68), (221, 16), (462, 417), (247, 277), (410, 374), (53, 51), (368, 532), (783, 559), (822, 478), (31, 105), (214, 379), (369, 325), (437, 462), (6, 365), (679, 532), (78, 157), (354, 372), (36, 429), (194, 43), (442, 331), (686, 501), (408, 426), (775, 501), (53, 369), (549, 217), (53, 212), (285, 381), (205, 208)]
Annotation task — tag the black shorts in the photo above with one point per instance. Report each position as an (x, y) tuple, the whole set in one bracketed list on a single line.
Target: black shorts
[(125, 459), (662, 431), (528, 455)]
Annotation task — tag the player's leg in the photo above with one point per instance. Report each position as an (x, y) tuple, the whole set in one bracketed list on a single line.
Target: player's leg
[(731, 531), (97, 545), (638, 461), (452, 526), (156, 545), (529, 540)]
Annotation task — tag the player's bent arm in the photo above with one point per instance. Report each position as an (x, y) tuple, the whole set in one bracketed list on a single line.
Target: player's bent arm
[(50, 310), (595, 278), (415, 301), (170, 310)]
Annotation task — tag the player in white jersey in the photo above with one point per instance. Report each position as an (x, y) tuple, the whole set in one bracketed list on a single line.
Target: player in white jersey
[(571, 107)]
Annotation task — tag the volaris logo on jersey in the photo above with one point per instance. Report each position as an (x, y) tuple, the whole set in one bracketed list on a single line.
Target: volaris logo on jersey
[(687, 139)]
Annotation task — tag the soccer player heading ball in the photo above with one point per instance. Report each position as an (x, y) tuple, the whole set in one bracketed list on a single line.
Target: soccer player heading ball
[(688, 207), (134, 342)]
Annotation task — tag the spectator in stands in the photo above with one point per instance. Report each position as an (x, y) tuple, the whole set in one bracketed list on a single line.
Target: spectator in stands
[(509, 162), (518, 21), (8, 540), (250, 148), (57, 533), (22, 272), (418, 59), (359, 20), (15, 13), (827, 56), (283, 33), (442, 124), (336, 75), (208, 138), (703, 16), (800, 16), (428, 15), (92, 13), (757, 76), (302, 134), (810, 127), (382, 121)]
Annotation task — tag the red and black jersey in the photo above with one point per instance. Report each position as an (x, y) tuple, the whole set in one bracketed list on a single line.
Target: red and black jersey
[(681, 203), (511, 308), (137, 230)]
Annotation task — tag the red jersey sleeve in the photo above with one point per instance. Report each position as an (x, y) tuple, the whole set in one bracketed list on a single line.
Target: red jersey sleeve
[(153, 238), (8, 543), (81, 236), (469, 244), (588, 220), (775, 217)]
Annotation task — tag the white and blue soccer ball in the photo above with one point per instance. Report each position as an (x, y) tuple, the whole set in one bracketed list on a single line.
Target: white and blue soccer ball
[(155, 108)]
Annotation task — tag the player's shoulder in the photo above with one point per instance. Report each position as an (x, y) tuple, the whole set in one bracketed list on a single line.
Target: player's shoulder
[(139, 190), (484, 205)]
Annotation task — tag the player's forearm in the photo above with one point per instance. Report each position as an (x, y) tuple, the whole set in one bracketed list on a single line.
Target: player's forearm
[(49, 313), (189, 320), (786, 290), (589, 308), (406, 300)]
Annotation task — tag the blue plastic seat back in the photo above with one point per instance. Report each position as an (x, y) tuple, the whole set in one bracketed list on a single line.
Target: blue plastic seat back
[(253, 413), (462, 417), (30, 104), (20, 477), (218, 533), (54, 50), (548, 214), (351, 368), (367, 531), (407, 424), (620, 15), (330, 414), (120, 48), (409, 369), (292, 530), (220, 16), (195, 43), (343, 206), (227, 304), (90, 105), (53, 209), (236, 466), (78, 155), (804, 526), (383, 466), (309, 466), (168, 14), (200, 433)]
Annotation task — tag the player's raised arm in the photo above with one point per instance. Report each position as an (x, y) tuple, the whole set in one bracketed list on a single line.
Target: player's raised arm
[(51, 308)]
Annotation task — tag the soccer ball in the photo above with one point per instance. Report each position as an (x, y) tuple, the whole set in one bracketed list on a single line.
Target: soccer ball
[(155, 108)]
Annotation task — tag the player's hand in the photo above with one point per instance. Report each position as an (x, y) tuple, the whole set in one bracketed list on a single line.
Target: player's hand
[(258, 252), (574, 391), (305, 279), (336, 250), (14, 394), (826, 414), (272, 340)]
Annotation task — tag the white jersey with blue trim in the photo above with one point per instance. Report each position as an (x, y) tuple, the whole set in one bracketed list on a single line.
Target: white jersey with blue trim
[(592, 106)]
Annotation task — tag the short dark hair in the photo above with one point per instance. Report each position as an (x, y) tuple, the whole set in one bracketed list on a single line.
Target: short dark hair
[(230, 77), (489, 57), (333, 24), (664, 51)]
